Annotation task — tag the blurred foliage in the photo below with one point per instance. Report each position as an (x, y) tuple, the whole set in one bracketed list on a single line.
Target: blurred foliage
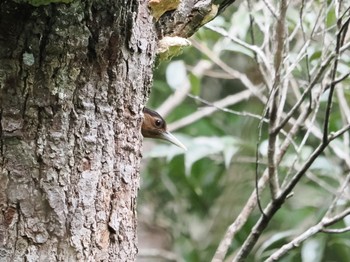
[(196, 195)]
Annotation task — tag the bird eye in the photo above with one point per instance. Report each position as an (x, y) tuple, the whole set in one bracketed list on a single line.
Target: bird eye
[(158, 123)]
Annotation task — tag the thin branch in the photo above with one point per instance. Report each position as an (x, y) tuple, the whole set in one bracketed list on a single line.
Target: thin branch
[(345, 47), (333, 75), (234, 39), (315, 80), (333, 205), (252, 201), (324, 143), (271, 8), (313, 106), (296, 242), (225, 109), (301, 55), (279, 39), (206, 111), (180, 94), (234, 73), (221, 105), (273, 177), (345, 113), (334, 135), (339, 152), (158, 253), (292, 132), (321, 183), (257, 161), (317, 23), (320, 227), (336, 231), (273, 206), (306, 42), (263, 73), (174, 100)]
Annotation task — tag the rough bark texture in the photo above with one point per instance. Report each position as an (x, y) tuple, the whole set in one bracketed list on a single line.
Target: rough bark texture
[(189, 16), (73, 80), (185, 20)]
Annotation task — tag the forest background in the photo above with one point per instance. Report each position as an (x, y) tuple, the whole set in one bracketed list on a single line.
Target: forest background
[(263, 93)]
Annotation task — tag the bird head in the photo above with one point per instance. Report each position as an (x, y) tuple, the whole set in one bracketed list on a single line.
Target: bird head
[(154, 126)]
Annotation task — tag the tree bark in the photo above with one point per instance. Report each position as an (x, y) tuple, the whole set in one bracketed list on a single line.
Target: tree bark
[(73, 81)]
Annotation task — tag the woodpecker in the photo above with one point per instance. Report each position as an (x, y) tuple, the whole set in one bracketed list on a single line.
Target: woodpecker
[(154, 126)]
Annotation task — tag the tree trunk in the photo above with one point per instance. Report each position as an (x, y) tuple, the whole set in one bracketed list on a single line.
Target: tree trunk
[(73, 81)]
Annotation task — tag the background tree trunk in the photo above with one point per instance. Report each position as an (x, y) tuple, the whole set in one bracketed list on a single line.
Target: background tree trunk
[(73, 80)]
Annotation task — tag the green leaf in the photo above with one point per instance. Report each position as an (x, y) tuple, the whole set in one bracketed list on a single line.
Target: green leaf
[(195, 85), (315, 55), (331, 19), (164, 150), (198, 148), (229, 152), (239, 49)]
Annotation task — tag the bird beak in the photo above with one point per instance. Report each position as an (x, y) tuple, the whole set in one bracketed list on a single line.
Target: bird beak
[(172, 139)]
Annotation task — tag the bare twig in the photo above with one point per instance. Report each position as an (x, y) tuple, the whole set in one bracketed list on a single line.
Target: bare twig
[(307, 42), (320, 227), (271, 8), (321, 183), (340, 37), (314, 108), (263, 73), (326, 221), (181, 93), (333, 205), (227, 101), (274, 116), (252, 201), (336, 231), (315, 80), (158, 253), (273, 206), (295, 128), (174, 100), (234, 73), (256, 50), (234, 39), (329, 59)]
